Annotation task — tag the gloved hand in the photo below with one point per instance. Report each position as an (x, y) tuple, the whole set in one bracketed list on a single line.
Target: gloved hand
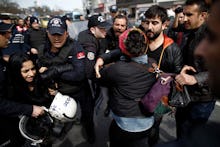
[(50, 73), (54, 71)]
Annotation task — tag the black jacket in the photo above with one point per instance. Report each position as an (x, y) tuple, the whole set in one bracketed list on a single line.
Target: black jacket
[(110, 42), (172, 61), (9, 108), (65, 67), (199, 91), (91, 46), (9, 111), (35, 38), (128, 82)]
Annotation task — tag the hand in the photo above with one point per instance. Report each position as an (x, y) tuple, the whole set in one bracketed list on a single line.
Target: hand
[(37, 110), (42, 69), (6, 57), (185, 79), (34, 51), (98, 65)]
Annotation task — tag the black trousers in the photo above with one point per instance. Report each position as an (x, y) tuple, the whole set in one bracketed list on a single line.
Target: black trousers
[(122, 138)]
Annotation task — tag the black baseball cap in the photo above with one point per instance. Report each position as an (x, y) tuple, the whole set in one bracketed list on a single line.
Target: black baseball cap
[(113, 9), (4, 27), (56, 25), (97, 20)]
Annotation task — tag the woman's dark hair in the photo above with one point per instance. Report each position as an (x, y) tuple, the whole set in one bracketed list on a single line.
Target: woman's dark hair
[(15, 64), (136, 42), (157, 11)]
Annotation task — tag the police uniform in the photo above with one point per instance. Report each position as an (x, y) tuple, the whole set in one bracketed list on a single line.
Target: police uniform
[(92, 49), (67, 69)]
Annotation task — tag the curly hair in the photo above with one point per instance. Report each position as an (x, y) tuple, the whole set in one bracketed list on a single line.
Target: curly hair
[(136, 42)]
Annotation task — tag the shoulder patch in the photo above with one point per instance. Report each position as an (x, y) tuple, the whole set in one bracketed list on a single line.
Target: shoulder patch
[(91, 55), (80, 55)]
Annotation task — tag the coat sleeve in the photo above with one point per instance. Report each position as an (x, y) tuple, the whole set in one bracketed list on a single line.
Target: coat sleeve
[(112, 56), (13, 109), (178, 59), (202, 78)]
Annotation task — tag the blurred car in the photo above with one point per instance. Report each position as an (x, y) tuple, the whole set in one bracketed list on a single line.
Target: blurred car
[(75, 16)]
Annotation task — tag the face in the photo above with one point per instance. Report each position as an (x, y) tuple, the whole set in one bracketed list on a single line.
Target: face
[(57, 41), (113, 14), (119, 26), (4, 39), (35, 25), (210, 49), (193, 18), (98, 32), (28, 71), (154, 27), (20, 22), (28, 21), (181, 18), (144, 25)]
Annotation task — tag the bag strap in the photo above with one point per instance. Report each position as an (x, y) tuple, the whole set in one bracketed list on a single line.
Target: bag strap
[(167, 42), (156, 67), (161, 56)]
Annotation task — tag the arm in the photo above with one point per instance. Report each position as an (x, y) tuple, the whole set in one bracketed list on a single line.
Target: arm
[(177, 59), (105, 59), (112, 56), (12, 109), (175, 22), (186, 79)]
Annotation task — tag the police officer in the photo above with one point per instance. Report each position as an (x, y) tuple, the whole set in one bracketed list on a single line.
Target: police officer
[(90, 40), (113, 12), (61, 61), (9, 110)]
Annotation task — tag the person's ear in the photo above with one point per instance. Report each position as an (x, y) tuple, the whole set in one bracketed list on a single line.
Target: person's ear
[(165, 25), (92, 29), (204, 15), (67, 33)]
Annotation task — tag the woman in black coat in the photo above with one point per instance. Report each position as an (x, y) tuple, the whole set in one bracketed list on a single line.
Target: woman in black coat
[(25, 85)]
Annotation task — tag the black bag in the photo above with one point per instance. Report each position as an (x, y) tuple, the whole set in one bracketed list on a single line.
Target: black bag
[(179, 96)]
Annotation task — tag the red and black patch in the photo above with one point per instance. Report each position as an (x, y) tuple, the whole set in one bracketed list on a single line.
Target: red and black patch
[(80, 55)]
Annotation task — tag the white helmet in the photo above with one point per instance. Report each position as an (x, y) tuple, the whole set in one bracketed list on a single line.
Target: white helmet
[(37, 130), (63, 108)]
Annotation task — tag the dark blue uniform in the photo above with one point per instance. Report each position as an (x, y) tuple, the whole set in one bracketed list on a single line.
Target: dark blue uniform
[(67, 69)]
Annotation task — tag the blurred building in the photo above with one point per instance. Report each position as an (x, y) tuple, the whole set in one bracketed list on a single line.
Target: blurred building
[(97, 6), (133, 7), (136, 7)]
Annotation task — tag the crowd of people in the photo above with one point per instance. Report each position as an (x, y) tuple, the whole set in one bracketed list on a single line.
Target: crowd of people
[(112, 60)]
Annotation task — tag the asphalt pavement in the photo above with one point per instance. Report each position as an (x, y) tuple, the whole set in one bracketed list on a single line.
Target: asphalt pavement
[(76, 136)]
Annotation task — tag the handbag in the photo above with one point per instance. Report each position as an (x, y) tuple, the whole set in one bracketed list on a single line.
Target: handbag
[(157, 100), (179, 95)]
